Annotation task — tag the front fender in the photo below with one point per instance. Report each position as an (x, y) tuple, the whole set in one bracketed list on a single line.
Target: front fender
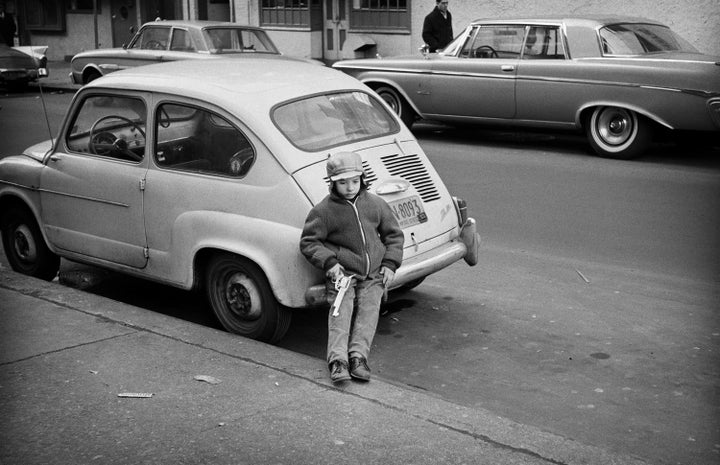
[(19, 183)]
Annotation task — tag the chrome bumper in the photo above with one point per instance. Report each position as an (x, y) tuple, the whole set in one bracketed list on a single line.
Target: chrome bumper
[(466, 246)]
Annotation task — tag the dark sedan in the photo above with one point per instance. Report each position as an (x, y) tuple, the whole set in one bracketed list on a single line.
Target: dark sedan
[(18, 68)]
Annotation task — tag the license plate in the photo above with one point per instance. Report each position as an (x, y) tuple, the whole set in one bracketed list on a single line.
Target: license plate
[(408, 211), (11, 75)]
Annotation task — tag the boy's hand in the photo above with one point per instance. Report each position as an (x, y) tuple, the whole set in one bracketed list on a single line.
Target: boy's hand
[(336, 272), (388, 275)]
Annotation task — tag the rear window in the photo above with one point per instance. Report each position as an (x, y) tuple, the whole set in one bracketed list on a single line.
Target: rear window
[(324, 121), (234, 40), (640, 39)]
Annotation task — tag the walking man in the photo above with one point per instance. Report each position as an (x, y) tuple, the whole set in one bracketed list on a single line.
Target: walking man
[(437, 27)]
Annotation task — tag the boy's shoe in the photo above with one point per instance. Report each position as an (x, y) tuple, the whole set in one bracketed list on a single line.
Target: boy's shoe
[(339, 371), (359, 368)]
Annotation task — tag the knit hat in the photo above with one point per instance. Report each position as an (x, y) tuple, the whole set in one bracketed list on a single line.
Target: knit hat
[(344, 165)]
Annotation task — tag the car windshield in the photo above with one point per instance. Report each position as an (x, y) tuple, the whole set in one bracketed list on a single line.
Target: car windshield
[(641, 39), (236, 40), (323, 121)]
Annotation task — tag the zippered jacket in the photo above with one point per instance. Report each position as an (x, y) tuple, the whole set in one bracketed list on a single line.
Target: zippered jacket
[(362, 235), (437, 30)]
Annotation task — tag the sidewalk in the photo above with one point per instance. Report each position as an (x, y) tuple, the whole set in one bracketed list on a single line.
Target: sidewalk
[(67, 356)]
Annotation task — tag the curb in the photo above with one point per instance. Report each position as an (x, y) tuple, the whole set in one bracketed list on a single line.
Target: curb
[(475, 423)]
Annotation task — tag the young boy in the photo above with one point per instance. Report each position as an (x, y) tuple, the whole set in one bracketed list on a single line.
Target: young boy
[(352, 232)]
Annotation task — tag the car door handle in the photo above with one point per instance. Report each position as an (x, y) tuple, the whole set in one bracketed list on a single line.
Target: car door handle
[(507, 68), (54, 158)]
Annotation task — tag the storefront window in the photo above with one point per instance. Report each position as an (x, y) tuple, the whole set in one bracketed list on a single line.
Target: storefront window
[(380, 14), (45, 15), (295, 13), (82, 6)]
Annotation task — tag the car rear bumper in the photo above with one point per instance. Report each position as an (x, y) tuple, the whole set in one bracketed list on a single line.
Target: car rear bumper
[(466, 247), (18, 75)]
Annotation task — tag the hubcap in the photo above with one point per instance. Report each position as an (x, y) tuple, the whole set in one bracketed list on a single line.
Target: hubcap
[(615, 126), (24, 245), (391, 101), (242, 297)]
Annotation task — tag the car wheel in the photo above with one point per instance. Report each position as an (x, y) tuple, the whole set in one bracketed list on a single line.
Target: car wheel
[(91, 76), (241, 298), (25, 247), (398, 104), (615, 132)]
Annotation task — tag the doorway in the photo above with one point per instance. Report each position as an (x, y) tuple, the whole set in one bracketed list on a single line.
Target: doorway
[(336, 28), (124, 21)]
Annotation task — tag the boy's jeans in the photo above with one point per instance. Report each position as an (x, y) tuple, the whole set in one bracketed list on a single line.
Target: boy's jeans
[(353, 332)]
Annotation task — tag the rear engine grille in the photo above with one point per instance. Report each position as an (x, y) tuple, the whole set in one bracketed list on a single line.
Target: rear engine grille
[(370, 175), (410, 168)]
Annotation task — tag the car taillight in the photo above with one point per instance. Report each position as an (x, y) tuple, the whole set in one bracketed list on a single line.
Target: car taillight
[(461, 207)]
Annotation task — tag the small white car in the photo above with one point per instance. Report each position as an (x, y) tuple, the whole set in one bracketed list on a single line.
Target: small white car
[(202, 176)]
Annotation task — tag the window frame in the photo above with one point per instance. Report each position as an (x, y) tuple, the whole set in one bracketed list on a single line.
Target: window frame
[(70, 10), (381, 15), (301, 14), (72, 127), (42, 7), (210, 115)]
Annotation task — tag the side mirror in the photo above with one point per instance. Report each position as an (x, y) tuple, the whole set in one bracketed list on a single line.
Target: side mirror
[(132, 29), (425, 49)]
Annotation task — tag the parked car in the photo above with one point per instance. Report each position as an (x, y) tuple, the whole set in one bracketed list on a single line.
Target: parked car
[(22, 65), (177, 40), (202, 177), (616, 78)]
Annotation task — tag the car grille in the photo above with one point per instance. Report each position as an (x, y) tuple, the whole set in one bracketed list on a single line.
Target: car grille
[(410, 168), (370, 175)]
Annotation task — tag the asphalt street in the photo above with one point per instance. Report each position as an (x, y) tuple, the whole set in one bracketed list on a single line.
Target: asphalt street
[(593, 315)]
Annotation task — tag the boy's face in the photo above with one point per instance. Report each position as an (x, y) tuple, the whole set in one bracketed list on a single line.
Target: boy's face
[(348, 188)]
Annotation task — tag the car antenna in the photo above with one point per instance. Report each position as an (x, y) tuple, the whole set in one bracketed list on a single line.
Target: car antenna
[(42, 99)]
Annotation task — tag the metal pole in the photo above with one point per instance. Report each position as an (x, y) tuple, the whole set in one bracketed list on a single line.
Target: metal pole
[(95, 23)]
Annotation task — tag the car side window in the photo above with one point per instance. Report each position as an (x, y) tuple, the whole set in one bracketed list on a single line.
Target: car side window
[(199, 141), (543, 42), (181, 41), (152, 38), (497, 42), (110, 126), (466, 51)]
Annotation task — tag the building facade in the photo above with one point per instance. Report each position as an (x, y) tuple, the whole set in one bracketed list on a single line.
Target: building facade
[(325, 29)]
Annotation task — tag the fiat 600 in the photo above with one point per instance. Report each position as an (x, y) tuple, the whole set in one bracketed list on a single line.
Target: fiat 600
[(201, 177)]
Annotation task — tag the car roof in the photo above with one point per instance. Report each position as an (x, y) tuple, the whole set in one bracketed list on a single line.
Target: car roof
[(247, 88), (585, 20), (199, 24)]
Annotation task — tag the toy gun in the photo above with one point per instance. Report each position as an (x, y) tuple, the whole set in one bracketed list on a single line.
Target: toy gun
[(341, 285)]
